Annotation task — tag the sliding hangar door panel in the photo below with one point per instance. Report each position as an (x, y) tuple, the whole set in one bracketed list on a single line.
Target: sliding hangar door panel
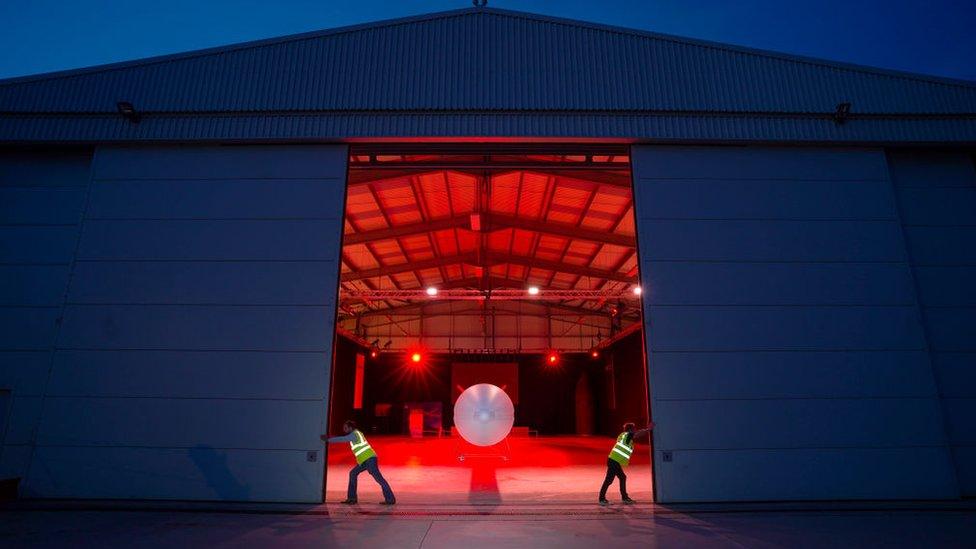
[(937, 199), (193, 356), (787, 359), (42, 194)]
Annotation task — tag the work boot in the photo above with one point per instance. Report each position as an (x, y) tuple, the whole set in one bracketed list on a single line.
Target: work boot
[(629, 501), (350, 501), (604, 502)]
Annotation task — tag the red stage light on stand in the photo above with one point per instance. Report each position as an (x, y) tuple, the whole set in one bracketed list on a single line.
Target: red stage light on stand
[(595, 353), (416, 358)]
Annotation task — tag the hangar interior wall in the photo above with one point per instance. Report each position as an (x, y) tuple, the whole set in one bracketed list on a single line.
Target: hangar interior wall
[(787, 359), (42, 195), (937, 200), (192, 359)]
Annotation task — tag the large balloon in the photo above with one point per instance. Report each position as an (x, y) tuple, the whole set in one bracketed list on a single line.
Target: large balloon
[(483, 414)]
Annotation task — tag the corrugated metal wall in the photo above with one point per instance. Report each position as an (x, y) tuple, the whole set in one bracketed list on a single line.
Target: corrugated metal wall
[(937, 197), (42, 197), (485, 60), (193, 357), (787, 357)]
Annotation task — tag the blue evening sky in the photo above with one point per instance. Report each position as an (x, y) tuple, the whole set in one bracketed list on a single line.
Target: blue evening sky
[(934, 36)]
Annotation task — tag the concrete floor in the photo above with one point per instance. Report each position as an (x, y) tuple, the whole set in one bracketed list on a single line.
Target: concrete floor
[(557, 469), (621, 528)]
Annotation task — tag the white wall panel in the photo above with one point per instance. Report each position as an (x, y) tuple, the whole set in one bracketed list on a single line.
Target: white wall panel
[(809, 473), (800, 423), (770, 199), (959, 414), (965, 475), (946, 285), (746, 328), (221, 163), (956, 373), (34, 206), (222, 198), (772, 240), (42, 195), (28, 328), (37, 244), (204, 282), (190, 374), (24, 414), (709, 283), (181, 422), (24, 373), (942, 245), (812, 374), (931, 169), (61, 168), (203, 328), (937, 203), (787, 357), (952, 328), (769, 163), (43, 285), (14, 459), (154, 240), (197, 335), (201, 472)]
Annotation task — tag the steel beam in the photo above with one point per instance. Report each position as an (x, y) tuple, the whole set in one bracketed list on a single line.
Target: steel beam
[(492, 222), (407, 267)]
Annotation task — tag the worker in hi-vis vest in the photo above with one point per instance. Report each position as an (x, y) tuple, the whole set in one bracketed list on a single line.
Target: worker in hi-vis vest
[(365, 461), (618, 459)]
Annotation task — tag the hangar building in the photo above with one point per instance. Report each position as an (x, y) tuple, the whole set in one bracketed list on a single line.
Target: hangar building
[(209, 259)]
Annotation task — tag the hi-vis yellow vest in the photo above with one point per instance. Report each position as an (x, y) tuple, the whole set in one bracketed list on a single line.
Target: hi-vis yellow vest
[(621, 450), (360, 448)]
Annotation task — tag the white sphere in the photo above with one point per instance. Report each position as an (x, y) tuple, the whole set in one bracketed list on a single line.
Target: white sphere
[(483, 414)]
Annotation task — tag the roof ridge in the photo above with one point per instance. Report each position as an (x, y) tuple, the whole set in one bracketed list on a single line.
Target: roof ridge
[(813, 61)]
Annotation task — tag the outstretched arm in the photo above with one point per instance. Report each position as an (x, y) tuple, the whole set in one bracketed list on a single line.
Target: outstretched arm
[(641, 432), (344, 438)]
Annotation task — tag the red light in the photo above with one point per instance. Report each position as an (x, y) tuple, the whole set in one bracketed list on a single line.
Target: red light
[(373, 354), (595, 354), (415, 357), (552, 358)]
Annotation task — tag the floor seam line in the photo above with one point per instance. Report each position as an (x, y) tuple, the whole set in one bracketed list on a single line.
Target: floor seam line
[(423, 539)]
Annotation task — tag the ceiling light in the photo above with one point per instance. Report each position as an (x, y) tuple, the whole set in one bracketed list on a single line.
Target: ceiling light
[(533, 290)]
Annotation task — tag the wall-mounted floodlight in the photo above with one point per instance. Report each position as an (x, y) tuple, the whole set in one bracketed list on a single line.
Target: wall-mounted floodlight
[(128, 111), (841, 112)]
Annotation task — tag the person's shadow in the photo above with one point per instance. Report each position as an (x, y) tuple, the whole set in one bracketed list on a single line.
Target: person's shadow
[(213, 466), (484, 483)]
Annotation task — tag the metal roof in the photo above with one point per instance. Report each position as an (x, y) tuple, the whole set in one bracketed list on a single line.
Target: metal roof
[(485, 72), (456, 227)]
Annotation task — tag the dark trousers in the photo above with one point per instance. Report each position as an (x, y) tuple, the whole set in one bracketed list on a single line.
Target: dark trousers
[(373, 468), (614, 470)]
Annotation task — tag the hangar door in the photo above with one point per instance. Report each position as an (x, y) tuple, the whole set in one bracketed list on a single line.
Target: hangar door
[(192, 358), (786, 355)]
